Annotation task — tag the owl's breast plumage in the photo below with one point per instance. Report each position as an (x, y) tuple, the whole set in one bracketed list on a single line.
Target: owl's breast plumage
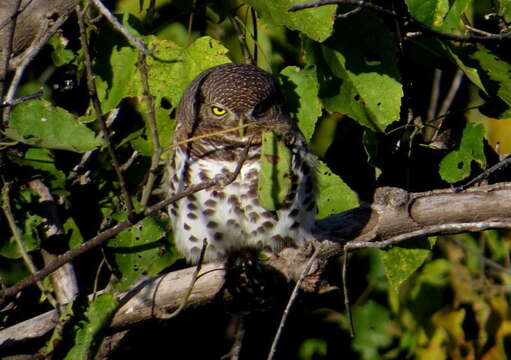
[(231, 217)]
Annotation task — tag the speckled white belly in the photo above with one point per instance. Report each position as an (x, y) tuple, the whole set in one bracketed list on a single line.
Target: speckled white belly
[(230, 217)]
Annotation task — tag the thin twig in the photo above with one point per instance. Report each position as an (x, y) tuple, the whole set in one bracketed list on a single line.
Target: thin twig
[(127, 164), (119, 27), (16, 232), (27, 58), (195, 276), (237, 25), (14, 15), (22, 99), (477, 31), (349, 13), (358, 3), (151, 121), (204, 136), (86, 157), (446, 104), (91, 85), (433, 104), (255, 35), (480, 256), (235, 352), (498, 166), (347, 306), (292, 299), (190, 22), (7, 47)]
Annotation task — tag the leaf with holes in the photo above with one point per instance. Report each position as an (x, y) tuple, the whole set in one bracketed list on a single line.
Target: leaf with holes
[(301, 89), (141, 250), (315, 23), (456, 165), (487, 71), (275, 175), (97, 317), (400, 262), (366, 85), (39, 123), (334, 195)]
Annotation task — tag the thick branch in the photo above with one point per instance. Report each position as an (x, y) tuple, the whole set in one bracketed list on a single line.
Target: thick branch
[(394, 215), (32, 21)]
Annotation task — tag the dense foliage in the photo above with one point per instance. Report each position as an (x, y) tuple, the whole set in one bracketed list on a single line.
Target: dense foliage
[(413, 94)]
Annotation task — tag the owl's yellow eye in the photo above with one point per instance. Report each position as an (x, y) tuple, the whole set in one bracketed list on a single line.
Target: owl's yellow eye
[(218, 111)]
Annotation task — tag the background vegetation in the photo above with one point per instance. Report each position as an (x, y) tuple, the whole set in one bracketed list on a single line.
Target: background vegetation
[(407, 93)]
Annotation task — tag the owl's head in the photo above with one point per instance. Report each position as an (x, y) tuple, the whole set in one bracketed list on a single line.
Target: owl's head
[(231, 95)]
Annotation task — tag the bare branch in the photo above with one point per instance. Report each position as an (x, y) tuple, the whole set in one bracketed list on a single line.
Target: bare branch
[(63, 280), (153, 130), (118, 26)]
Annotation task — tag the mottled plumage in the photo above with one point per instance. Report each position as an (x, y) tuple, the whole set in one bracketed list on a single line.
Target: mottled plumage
[(230, 217)]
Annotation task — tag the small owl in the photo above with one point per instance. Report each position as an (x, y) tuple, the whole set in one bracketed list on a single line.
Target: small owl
[(231, 217)]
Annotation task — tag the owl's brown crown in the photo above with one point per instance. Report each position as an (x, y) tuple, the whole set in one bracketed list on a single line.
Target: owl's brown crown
[(239, 87)]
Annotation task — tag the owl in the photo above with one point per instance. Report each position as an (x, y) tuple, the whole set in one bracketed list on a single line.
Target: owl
[(231, 218)]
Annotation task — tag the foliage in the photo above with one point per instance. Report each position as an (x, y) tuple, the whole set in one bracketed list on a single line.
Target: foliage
[(362, 94)]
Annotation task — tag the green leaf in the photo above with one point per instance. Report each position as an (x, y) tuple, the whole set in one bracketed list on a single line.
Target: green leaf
[(400, 262), (428, 12), (66, 313), (452, 20), (443, 15), (43, 160), (170, 71), (313, 348), (28, 223), (39, 123), (174, 67), (275, 175), (368, 85), (141, 250), (12, 271), (315, 23), (301, 90), (334, 195), (60, 55), (505, 9), (73, 232), (430, 289), (371, 323), (486, 70), (456, 165), (114, 81), (97, 317)]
